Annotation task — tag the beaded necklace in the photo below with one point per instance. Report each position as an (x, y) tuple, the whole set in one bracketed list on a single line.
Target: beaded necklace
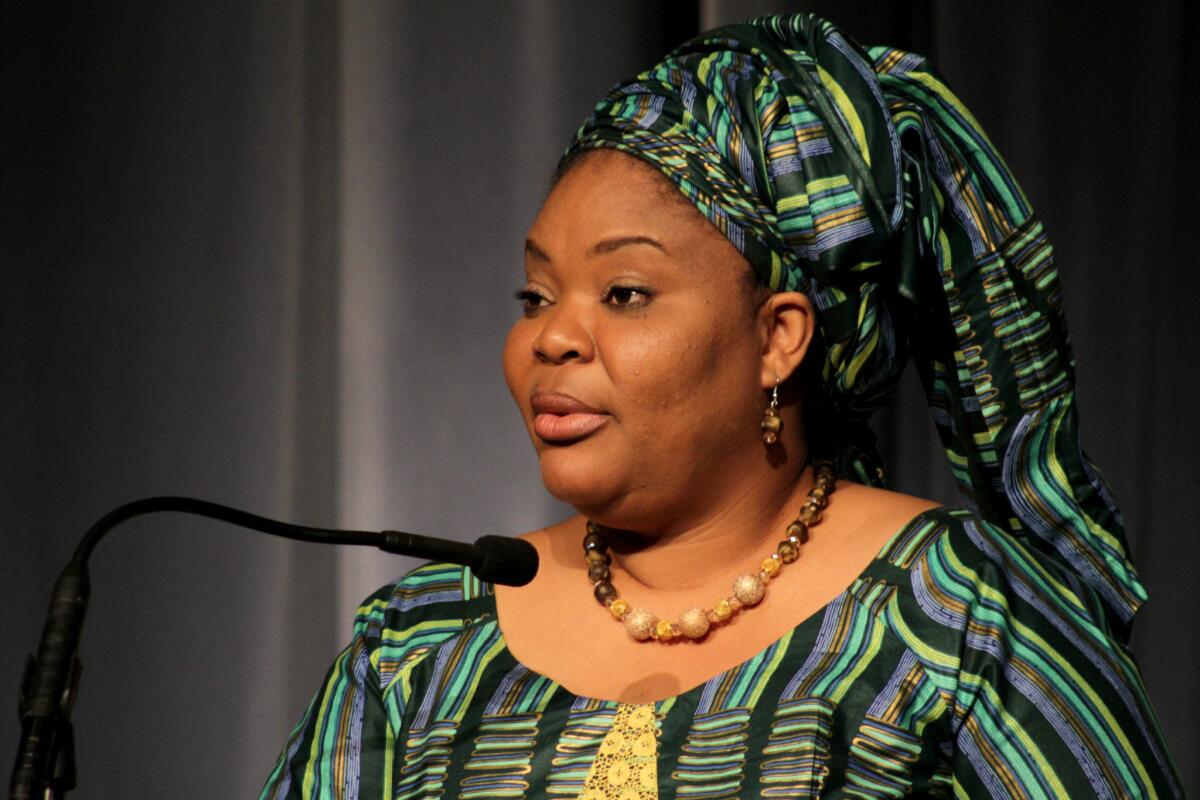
[(748, 588)]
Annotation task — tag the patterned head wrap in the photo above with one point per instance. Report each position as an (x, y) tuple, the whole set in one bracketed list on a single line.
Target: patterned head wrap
[(856, 176)]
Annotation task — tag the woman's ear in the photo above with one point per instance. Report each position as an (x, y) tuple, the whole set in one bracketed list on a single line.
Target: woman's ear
[(787, 324)]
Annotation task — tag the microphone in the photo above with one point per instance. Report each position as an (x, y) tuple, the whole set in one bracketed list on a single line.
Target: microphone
[(493, 559), (45, 765)]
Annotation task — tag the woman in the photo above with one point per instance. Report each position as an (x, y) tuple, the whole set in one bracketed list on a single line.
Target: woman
[(740, 249)]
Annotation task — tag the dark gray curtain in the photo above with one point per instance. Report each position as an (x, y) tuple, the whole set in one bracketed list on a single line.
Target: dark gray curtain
[(261, 254)]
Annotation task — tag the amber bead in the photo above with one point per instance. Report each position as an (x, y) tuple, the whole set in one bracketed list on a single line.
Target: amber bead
[(810, 513), (598, 556), (723, 609), (787, 551), (598, 571), (594, 541), (605, 592), (798, 531), (771, 425)]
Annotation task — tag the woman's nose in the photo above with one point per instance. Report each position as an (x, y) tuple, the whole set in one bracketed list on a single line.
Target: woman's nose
[(563, 337)]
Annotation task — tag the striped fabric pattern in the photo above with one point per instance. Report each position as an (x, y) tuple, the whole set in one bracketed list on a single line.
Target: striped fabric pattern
[(982, 653), (958, 664), (857, 176)]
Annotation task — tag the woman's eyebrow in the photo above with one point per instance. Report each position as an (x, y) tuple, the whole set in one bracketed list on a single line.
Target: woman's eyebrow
[(599, 248), (531, 249), (609, 245)]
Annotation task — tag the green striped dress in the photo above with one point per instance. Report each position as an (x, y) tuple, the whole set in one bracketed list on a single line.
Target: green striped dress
[(959, 663)]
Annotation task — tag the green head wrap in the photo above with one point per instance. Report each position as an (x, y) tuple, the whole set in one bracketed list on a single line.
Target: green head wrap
[(856, 176)]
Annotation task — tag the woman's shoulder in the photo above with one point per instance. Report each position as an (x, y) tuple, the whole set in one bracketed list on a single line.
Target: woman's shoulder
[(952, 547), (960, 576), (421, 609)]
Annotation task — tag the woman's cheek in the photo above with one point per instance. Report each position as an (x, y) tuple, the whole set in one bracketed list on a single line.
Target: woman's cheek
[(653, 367), (515, 360)]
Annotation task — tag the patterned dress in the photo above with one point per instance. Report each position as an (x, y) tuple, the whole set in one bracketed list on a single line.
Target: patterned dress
[(959, 663)]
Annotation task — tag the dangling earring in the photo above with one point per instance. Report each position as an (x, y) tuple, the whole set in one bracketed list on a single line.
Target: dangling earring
[(771, 423)]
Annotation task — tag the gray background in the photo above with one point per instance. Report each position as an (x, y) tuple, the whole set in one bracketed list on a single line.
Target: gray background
[(262, 254)]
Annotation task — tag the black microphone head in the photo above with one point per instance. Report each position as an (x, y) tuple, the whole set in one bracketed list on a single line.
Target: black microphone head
[(503, 559)]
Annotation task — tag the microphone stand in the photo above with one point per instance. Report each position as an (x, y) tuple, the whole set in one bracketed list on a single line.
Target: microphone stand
[(45, 766)]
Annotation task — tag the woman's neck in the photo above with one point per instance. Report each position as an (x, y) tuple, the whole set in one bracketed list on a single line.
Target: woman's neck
[(734, 531)]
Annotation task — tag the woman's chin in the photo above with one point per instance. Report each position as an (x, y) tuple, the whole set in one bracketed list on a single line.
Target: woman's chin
[(584, 483)]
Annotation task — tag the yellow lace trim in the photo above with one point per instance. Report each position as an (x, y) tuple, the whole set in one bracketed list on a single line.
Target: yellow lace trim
[(626, 768)]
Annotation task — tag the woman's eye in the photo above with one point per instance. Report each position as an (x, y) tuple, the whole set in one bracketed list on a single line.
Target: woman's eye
[(627, 295), (530, 297)]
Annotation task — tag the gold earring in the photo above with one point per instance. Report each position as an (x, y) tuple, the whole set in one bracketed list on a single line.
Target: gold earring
[(771, 423)]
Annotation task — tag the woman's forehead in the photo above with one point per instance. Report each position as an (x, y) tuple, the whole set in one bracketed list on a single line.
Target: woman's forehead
[(606, 193)]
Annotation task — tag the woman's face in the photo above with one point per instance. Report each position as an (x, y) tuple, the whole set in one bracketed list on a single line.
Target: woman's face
[(637, 361)]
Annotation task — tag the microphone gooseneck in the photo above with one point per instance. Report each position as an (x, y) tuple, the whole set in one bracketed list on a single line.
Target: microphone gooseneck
[(45, 765)]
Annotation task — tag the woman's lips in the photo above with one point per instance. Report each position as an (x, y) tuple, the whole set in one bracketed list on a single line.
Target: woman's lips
[(564, 427), (559, 417)]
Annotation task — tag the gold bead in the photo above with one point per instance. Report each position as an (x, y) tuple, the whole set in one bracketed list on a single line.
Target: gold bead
[(788, 552), (639, 622), (662, 630), (618, 608), (723, 609), (771, 565), (748, 589), (772, 423), (693, 623)]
